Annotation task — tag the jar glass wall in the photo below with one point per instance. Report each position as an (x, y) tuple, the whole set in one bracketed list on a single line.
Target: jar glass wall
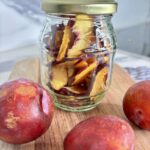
[(77, 59)]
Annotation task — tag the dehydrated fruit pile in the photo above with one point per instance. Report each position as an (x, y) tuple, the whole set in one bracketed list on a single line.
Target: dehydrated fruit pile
[(77, 68)]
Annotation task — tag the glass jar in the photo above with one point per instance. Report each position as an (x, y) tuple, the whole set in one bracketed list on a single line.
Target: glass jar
[(78, 47)]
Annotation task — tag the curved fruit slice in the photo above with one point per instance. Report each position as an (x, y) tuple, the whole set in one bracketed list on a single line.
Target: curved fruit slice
[(99, 83), (81, 64), (83, 23), (77, 48), (59, 76), (83, 74), (83, 28), (76, 90), (65, 43)]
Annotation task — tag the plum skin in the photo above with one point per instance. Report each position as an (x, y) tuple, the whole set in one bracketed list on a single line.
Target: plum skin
[(100, 133), (26, 111), (136, 104)]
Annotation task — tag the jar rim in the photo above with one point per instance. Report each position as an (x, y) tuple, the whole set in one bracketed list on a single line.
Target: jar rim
[(91, 7)]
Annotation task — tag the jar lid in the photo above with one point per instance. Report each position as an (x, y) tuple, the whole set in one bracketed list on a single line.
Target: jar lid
[(93, 7)]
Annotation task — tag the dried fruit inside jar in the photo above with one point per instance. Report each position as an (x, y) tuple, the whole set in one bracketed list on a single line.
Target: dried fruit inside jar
[(80, 64)]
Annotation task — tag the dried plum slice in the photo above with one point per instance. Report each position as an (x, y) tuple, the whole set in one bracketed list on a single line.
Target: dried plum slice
[(65, 43), (99, 84), (83, 28), (58, 76), (83, 74)]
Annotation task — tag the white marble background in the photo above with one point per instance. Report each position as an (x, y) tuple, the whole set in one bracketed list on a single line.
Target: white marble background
[(20, 26), (21, 22)]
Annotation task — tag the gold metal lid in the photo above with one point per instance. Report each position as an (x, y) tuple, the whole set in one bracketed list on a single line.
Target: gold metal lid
[(93, 7)]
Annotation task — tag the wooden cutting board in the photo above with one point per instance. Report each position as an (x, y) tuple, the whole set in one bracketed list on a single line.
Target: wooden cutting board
[(63, 121)]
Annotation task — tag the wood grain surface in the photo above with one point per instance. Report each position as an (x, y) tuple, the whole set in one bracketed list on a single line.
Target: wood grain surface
[(63, 121)]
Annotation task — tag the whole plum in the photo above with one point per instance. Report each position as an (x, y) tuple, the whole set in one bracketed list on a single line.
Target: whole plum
[(136, 104), (100, 133), (26, 111)]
